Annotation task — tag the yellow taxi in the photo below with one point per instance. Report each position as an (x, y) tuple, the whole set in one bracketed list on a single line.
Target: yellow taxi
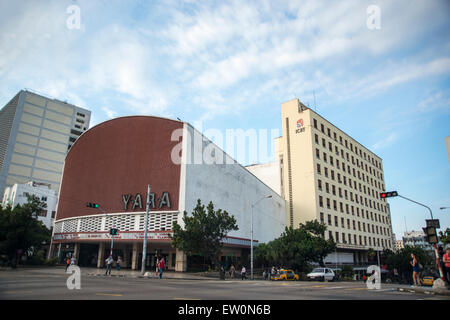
[(427, 281), (285, 274)]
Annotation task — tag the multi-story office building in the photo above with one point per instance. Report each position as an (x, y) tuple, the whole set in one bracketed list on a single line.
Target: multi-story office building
[(329, 176), (417, 239), (399, 245), (35, 134), (18, 194)]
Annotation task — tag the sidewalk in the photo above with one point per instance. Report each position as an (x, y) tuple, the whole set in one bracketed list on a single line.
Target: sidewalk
[(127, 273), (423, 289)]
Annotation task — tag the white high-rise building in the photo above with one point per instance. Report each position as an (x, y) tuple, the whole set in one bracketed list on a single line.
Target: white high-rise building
[(328, 176), (18, 194), (35, 135)]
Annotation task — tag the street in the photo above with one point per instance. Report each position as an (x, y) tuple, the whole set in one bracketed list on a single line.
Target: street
[(50, 283)]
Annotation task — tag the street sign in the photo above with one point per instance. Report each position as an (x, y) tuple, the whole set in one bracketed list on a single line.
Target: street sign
[(433, 223), (430, 235)]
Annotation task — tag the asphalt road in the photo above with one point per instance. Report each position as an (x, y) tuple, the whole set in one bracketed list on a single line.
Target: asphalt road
[(50, 284)]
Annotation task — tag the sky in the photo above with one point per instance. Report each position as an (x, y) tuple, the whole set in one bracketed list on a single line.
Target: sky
[(378, 70)]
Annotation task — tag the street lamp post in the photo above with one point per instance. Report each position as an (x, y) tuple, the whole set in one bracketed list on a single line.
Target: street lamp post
[(251, 240), (144, 249)]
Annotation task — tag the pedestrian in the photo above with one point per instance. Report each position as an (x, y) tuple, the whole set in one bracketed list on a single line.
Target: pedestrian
[(73, 261), (232, 271), (264, 274), (119, 262), (67, 263), (109, 261), (161, 267), (243, 271), (416, 270), (446, 260)]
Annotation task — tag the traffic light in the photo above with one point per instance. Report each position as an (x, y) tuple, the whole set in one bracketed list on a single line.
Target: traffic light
[(430, 235), (92, 205), (389, 194), (113, 231)]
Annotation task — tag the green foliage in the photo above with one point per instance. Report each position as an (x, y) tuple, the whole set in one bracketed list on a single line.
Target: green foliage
[(401, 260), (347, 272), (20, 229), (203, 231), (444, 237), (297, 248)]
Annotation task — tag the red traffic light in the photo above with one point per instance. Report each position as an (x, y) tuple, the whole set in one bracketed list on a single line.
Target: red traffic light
[(384, 195)]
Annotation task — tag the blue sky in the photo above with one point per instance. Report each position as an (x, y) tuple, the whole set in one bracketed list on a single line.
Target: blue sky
[(231, 64)]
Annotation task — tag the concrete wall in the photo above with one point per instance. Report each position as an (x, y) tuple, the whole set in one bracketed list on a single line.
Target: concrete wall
[(230, 187), (269, 173)]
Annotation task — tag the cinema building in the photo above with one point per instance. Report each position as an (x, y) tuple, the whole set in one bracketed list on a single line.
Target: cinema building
[(112, 163)]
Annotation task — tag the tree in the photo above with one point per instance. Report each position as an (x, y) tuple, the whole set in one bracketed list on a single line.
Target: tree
[(20, 229), (401, 259), (297, 248), (204, 231), (444, 237)]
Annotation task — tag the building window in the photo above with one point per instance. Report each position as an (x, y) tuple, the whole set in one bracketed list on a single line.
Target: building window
[(42, 213), (315, 123)]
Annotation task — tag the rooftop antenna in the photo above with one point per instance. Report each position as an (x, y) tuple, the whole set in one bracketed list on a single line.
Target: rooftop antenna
[(314, 93), (406, 229)]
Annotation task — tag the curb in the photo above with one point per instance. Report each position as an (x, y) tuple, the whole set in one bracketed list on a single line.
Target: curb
[(425, 291)]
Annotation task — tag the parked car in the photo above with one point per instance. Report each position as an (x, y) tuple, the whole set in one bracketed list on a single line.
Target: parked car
[(321, 274), (285, 274)]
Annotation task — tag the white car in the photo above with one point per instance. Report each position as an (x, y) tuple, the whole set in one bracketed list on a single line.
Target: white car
[(322, 274)]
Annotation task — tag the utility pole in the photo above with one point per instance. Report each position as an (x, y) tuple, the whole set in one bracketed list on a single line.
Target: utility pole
[(144, 251), (251, 240), (395, 194)]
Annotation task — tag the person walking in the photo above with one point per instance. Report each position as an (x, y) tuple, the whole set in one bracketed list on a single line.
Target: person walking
[(161, 267), (119, 263), (416, 270), (68, 261), (243, 271), (232, 271), (109, 261), (446, 262)]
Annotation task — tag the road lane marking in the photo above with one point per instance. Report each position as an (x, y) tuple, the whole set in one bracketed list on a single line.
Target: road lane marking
[(109, 294), (16, 292), (356, 289)]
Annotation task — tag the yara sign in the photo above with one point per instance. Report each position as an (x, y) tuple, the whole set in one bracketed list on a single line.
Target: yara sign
[(130, 203)]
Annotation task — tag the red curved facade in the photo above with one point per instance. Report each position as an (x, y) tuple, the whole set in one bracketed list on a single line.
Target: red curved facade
[(119, 157)]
